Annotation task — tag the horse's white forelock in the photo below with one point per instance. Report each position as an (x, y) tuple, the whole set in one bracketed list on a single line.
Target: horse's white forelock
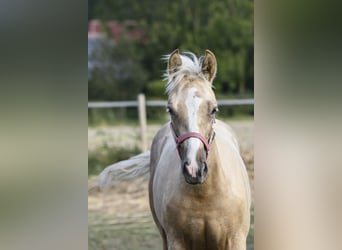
[(191, 66)]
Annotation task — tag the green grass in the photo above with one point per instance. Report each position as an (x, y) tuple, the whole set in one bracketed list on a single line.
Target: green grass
[(103, 156), (131, 236), (250, 238)]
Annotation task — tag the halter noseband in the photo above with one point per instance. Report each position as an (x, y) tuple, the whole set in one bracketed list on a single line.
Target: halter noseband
[(183, 137)]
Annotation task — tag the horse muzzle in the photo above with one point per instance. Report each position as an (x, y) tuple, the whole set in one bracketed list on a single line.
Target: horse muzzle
[(195, 172)]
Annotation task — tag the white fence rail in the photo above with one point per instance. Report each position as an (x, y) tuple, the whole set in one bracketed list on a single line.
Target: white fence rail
[(141, 104), (157, 103)]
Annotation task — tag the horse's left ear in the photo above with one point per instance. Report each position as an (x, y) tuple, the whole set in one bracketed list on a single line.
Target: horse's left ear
[(209, 66)]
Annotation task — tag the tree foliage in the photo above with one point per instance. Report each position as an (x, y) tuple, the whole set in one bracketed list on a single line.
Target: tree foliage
[(223, 26), (116, 74)]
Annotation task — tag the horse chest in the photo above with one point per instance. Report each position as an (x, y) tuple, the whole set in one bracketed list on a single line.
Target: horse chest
[(198, 225)]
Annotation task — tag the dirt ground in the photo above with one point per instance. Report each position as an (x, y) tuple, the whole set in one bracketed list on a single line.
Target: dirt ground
[(119, 218)]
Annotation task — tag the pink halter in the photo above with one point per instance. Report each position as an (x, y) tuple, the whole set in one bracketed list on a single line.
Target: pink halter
[(183, 137)]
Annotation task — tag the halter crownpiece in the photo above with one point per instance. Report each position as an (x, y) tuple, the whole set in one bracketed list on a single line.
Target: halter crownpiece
[(180, 139)]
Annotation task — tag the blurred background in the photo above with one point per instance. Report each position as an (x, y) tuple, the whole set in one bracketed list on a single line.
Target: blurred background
[(126, 42), (127, 39), (45, 120)]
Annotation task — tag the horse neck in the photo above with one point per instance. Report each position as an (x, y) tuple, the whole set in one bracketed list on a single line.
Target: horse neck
[(215, 172)]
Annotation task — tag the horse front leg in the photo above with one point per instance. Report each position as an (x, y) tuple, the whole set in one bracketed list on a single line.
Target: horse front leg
[(164, 240), (175, 246), (238, 242), (173, 243)]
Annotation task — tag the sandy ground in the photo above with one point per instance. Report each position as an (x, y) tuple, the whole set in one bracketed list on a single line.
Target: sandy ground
[(119, 218)]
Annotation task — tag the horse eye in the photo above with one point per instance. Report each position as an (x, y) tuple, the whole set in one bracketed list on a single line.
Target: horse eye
[(169, 110), (214, 110)]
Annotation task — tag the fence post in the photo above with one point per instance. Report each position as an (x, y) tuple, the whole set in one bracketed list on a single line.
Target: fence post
[(142, 121)]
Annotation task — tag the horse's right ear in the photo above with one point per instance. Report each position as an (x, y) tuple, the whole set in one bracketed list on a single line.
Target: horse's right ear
[(174, 62)]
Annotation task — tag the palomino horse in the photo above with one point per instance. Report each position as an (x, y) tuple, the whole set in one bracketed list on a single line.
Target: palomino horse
[(198, 189)]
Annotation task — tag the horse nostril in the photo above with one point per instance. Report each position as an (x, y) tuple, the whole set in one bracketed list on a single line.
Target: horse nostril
[(187, 162), (204, 167), (205, 171)]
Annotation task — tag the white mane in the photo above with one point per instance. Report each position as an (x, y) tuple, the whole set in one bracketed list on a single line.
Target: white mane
[(191, 67)]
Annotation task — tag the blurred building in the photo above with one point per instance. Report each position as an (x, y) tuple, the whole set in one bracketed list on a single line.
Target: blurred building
[(110, 33)]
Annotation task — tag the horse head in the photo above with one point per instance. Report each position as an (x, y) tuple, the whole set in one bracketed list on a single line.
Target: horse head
[(192, 106)]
